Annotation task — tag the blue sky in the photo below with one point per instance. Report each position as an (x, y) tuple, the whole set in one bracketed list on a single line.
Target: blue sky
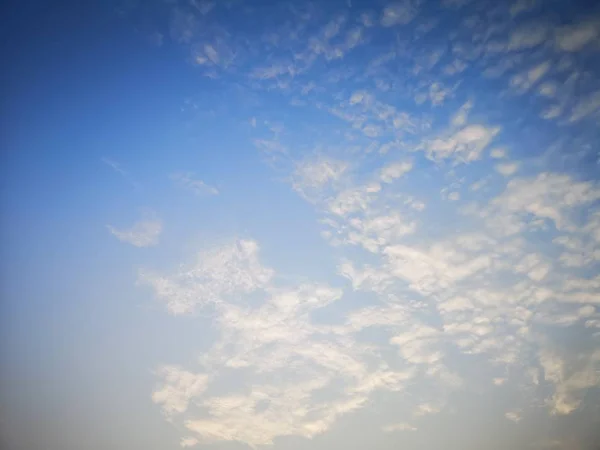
[(232, 225)]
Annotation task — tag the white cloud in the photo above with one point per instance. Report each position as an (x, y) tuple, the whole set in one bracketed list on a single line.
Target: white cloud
[(507, 169), (426, 409), (237, 418), (275, 336), (524, 81), (402, 426), (548, 89), (144, 233), (436, 94), (478, 185), (455, 67), (521, 6), (572, 38), (392, 316), (354, 199), (198, 187), (585, 107), (434, 269), (570, 379), (582, 250), (548, 196), (213, 54), (513, 416), (179, 388), (267, 340), (313, 175), (272, 71), (528, 36), (395, 170), (183, 26), (371, 130), (552, 112), (188, 442), (399, 13), (375, 232), (459, 119), (418, 346), (498, 153), (218, 273), (367, 278), (466, 144)]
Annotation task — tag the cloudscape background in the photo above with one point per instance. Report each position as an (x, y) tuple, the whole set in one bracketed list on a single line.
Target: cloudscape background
[(300, 225)]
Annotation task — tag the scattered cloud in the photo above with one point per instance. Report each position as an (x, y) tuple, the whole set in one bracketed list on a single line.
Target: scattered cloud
[(419, 280), (217, 273), (507, 169), (399, 13), (572, 38), (465, 144), (548, 196), (528, 36), (319, 172), (586, 107), (498, 153), (144, 233), (402, 426), (513, 416), (395, 170), (570, 380), (188, 442), (198, 187), (524, 81), (180, 386)]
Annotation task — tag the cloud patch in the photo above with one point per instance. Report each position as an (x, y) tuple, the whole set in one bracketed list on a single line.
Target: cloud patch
[(399, 13), (187, 180), (144, 233)]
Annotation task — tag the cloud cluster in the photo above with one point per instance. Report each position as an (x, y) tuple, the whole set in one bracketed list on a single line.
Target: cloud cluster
[(212, 279)]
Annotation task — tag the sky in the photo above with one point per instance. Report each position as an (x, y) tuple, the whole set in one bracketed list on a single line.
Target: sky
[(299, 225)]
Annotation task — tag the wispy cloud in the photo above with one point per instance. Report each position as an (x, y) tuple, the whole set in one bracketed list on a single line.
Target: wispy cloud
[(118, 168), (187, 181), (144, 233)]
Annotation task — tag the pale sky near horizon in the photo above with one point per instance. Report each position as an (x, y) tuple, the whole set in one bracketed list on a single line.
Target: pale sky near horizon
[(300, 225)]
